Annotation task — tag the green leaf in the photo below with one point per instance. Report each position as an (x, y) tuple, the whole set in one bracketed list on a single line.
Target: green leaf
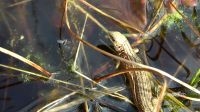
[(195, 79)]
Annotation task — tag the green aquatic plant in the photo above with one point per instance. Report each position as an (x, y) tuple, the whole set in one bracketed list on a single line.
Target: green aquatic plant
[(71, 66), (173, 19), (195, 81)]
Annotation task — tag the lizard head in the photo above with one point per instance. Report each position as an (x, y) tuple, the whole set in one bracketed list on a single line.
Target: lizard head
[(117, 37)]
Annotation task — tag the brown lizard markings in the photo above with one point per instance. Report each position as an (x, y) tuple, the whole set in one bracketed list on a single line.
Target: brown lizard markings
[(139, 81)]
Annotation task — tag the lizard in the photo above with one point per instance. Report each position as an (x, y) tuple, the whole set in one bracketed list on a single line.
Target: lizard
[(140, 81)]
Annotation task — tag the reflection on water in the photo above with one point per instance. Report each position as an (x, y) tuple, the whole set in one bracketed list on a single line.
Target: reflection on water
[(28, 29), (34, 29), (176, 51), (172, 52)]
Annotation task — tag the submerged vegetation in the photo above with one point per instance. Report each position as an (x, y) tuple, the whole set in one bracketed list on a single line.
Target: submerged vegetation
[(173, 19), (78, 75)]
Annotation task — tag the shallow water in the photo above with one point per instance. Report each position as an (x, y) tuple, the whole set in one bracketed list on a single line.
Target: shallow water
[(32, 29)]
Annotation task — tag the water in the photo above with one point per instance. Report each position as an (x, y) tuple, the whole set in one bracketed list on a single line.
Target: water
[(34, 30), (30, 29)]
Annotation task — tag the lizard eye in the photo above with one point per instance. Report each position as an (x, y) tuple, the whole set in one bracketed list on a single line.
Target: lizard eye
[(112, 38)]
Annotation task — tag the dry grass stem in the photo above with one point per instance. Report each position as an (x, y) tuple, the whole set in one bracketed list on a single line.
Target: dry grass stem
[(17, 56), (192, 27), (109, 16), (19, 3), (138, 64)]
